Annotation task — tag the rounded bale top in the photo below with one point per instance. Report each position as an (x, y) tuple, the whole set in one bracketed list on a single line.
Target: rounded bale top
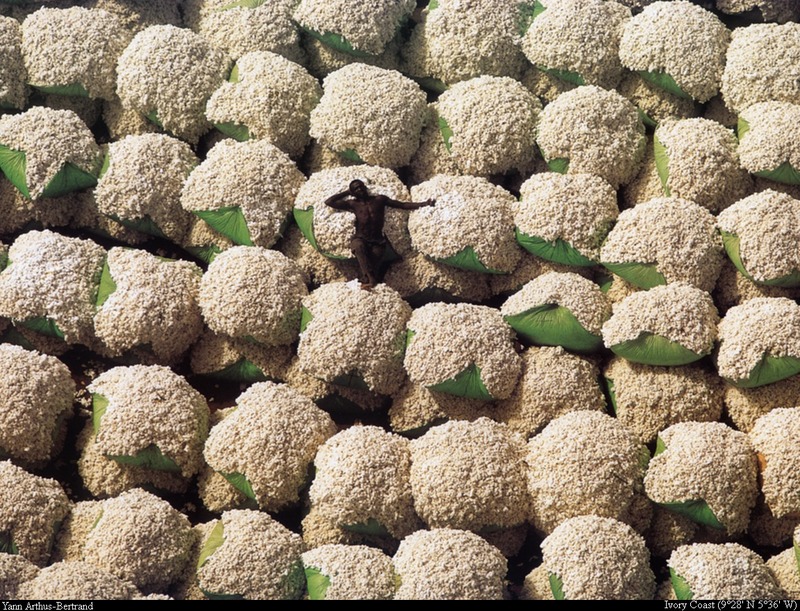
[(553, 383), (760, 234), (478, 224), (270, 98), (462, 349), (142, 182), (167, 74), (31, 511), (759, 342), (330, 231), (760, 65), (76, 580), (153, 303), (578, 41), (469, 475), (49, 152), (253, 292), (697, 160), (74, 51), (372, 113), (362, 480), (721, 571), (14, 571), (223, 357), (449, 564), (557, 308), (768, 140), (783, 568), (774, 437), (744, 406), (590, 130), (140, 538), (36, 394), (349, 572), (674, 324), (150, 416), (355, 337), (462, 39), (596, 558), (53, 280), (267, 444), (678, 46), (244, 190), (488, 125), (137, 15), (13, 91), (583, 462), (353, 27), (249, 555), (780, 11), (648, 399), (572, 213), (665, 240), (238, 28), (706, 471)]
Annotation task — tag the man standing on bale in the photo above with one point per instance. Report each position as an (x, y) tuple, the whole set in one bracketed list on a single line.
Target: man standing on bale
[(369, 243)]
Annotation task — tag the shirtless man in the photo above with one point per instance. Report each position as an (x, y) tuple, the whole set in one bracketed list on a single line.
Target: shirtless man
[(369, 243)]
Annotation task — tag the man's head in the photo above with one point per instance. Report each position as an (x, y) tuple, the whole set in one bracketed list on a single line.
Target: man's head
[(358, 189)]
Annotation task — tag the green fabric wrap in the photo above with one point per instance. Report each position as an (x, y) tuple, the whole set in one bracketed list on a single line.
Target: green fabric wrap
[(652, 349), (554, 325), (558, 250)]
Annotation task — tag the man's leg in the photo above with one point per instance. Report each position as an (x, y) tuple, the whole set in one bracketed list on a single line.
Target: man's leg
[(363, 254)]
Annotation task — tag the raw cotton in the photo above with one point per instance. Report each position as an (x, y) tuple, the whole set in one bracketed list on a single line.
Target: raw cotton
[(758, 327), (766, 224), (771, 136), (760, 65), (272, 97), (774, 437), (681, 40), (256, 177), (482, 461), (580, 38), (353, 331), (449, 338), (744, 406), (449, 564), (583, 462), (706, 461), (13, 91), (363, 474), (54, 277), (785, 572), (419, 280), (15, 570), (271, 440), (723, 571), (375, 112), (50, 139), (579, 209), (259, 559), (598, 558), (493, 124), (144, 179), (679, 237), (151, 406), (237, 29), (701, 163), (76, 581), (36, 394), (475, 214), (597, 131), (355, 572), (771, 10), (678, 312), (169, 73), (553, 383), (657, 104), (74, 46)]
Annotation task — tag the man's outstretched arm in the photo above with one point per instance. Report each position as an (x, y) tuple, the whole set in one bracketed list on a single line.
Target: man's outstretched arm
[(393, 203), (339, 201)]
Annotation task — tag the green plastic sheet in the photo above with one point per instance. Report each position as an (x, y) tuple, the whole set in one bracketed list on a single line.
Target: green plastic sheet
[(73, 90), (45, 326), (336, 42), (643, 275), (662, 164), (664, 81), (468, 383), (239, 481), (528, 11), (682, 589), (653, 349), (371, 528), (554, 325), (447, 133), (106, 287), (317, 583), (768, 370), (234, 130), (467, 259), (241, 371), (230, 222), (148, 458), (556, 586), (568, 76), (558, 250)]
